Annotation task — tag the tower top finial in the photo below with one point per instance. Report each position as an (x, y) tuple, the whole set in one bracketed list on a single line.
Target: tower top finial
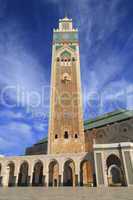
[(66, 16), (66, 19)]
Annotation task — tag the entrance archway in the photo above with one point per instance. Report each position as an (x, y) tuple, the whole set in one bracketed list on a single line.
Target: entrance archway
[(23, 175), (86, 174), (11, 170), (114, 171), (115, 174), (54, 173), (69, 173), (38, 174)]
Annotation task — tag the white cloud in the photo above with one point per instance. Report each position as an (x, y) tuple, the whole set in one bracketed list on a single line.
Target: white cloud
[(19, 67), (15, 134), (5, 144), (9, 114), (40, 126), (101, 63)]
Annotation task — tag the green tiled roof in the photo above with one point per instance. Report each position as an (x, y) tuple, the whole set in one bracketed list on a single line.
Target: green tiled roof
[(103, 120), (108, 118), (44, 140)]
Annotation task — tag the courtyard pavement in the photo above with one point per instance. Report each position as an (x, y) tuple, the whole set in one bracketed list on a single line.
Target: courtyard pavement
[(66, 193)]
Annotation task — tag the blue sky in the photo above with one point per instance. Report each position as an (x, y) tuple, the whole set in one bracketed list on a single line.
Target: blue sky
[(106, 47)]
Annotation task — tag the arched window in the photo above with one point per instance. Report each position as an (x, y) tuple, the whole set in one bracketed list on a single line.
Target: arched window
[(58, 59), (65, 58), (73, 59), (76, 135), (66, 135), (56, 136)]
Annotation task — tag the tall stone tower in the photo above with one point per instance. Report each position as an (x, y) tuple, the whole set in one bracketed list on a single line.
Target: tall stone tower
[(66, 133)]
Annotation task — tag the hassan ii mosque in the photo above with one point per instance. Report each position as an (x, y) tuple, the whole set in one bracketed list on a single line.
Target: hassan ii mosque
[(94, 153)]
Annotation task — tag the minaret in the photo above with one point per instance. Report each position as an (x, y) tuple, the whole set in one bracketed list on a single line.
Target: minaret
[(66, 133)]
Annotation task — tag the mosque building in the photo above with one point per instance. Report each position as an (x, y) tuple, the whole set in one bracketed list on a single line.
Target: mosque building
[(97, 152)]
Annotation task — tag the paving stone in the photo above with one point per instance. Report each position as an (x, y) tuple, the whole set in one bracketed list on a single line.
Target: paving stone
[(37, 193)]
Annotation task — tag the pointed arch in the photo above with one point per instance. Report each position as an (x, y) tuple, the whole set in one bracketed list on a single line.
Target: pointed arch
[(69, 173), (65, 54), (38, 174), (115, 171), (23, 178), (69, 51), (54, 173), (86, 173), (11, 174)]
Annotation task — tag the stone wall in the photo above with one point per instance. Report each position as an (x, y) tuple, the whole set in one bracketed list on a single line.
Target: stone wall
[(114, 133)]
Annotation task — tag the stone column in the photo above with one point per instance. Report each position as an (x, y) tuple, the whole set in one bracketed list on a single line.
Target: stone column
[(30, 174), (46, 179), (61, 179), (30, 178), (101, 177), (79, 181), (16, 174), (16, 179), (128, 166), (61, 172), (104, 170), (77, 173), (74, 179), (77, 177), (5, 175)]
